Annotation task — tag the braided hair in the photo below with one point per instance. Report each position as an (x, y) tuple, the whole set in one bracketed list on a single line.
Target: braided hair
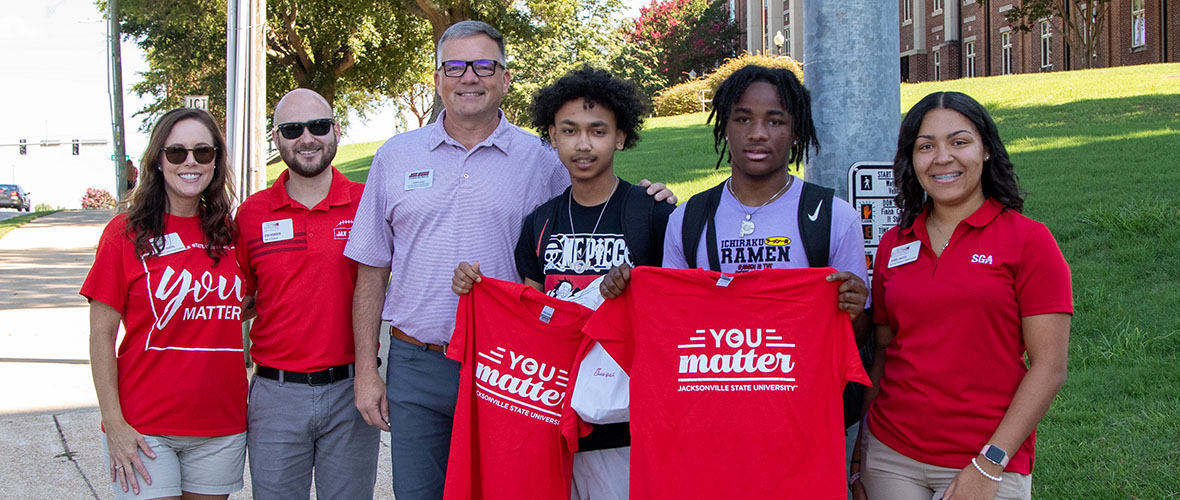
[(794, 97)]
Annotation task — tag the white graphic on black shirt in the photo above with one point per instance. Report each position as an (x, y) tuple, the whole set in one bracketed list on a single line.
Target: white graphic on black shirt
[(733, 359), (585, 253), (519, 383)]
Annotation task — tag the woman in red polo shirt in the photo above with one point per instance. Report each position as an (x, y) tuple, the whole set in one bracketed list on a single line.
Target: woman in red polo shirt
[(964, 287), (173, 397)]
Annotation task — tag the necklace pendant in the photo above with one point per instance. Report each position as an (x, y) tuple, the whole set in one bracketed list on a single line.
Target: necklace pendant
[(747, 227)]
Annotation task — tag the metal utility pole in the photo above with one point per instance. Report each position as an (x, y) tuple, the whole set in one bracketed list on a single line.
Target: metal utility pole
[(116, 90), (245, 109), (851, 66)]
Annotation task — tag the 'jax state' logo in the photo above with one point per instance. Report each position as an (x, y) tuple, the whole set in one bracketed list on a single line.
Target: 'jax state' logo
[(342, 230), (521, 384), (733, 359)]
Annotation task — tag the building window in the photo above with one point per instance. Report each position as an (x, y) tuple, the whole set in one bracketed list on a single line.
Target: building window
[(907, 10), (1138, 23), (970, 51), (1006, 53), (787, 44), (1046, 39), (937, 6), (937, 65)]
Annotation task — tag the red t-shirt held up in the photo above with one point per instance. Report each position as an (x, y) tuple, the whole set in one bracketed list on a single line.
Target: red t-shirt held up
[(736, 382), (517, 346), (180, 365)]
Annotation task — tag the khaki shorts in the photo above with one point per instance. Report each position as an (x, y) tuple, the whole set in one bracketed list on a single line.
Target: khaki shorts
[(201, 465), (889, 475)]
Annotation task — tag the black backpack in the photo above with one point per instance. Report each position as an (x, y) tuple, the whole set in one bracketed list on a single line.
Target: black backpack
[(815, 234)]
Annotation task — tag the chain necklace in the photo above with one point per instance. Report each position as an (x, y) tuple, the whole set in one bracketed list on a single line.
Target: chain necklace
[(584, 263), (940, 233), (747, 226)]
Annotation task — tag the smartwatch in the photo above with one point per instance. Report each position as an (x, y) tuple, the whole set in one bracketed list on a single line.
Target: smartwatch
[(995, 455)]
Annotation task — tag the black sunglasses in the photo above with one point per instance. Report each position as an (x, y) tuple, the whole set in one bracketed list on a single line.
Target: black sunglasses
[(178, 154), (292, 130), (481, 67)]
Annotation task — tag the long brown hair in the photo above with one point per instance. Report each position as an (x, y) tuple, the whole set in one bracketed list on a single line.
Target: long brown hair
[(149, 202), (999, 178)]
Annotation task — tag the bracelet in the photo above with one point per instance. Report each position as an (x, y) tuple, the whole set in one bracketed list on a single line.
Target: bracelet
[(853, 479), (985, 474)]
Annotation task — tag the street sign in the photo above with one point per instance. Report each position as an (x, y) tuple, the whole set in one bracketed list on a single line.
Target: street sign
[(197, 101), (128, 157), (871, 189)]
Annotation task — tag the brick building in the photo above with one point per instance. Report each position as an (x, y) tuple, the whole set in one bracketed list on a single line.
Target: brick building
[(948, 39)]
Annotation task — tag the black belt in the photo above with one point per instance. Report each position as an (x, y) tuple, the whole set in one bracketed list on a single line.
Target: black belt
[(322, 377)]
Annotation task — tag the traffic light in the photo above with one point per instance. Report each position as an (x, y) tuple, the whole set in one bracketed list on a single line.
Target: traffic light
[(76, 148), (24, 148)]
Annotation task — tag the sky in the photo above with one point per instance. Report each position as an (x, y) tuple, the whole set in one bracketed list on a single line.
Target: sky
[(55, 88)]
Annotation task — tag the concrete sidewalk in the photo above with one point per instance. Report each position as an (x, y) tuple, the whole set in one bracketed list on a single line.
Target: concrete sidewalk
[(49, 420)]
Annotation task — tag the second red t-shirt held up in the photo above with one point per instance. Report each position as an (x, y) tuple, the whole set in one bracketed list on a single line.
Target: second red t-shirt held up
[(736, 382), (517, 347)]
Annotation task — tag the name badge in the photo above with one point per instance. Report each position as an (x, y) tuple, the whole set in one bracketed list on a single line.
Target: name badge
[(277, 230), (171, 244), (421, 179), (904, 254)]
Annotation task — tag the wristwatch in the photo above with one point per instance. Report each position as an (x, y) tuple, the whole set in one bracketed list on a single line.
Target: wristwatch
[(995, 455)]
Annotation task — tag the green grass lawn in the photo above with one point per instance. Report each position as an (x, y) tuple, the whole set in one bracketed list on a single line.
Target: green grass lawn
[(7, 225), (1098, 153)]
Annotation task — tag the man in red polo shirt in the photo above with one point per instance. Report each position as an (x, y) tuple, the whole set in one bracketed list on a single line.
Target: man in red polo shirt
[(301, 414)]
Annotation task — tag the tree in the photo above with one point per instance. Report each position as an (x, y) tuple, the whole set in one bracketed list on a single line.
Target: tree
[(1083, 21), (418, 99), (352, 52), (588, 34), (684, 36)]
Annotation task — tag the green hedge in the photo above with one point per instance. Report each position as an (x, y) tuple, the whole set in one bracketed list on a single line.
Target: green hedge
[(685, 97)]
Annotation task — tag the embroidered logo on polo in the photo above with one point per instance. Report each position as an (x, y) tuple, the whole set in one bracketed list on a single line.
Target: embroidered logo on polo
[(979, 258), (736, 359), (521, 384), (752, 254), (342, 230)]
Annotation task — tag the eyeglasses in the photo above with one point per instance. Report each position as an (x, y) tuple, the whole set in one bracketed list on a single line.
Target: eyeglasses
[(481, 67), (178, 154), (292, 130)]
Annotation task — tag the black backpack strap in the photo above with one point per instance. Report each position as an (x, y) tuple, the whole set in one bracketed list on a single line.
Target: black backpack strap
[(546, 218), (815, 223), (637, 226), (699, 212)]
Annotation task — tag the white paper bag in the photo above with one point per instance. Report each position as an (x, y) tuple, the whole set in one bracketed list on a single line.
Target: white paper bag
[(602, 393)]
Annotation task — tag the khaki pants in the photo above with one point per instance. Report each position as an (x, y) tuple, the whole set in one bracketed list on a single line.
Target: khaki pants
[(889, 475)]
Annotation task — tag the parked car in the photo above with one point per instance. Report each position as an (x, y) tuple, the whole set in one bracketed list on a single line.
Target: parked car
[(12, 196)]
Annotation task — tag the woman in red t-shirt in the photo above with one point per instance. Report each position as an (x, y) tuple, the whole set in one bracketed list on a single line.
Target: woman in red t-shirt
[(173, 397), (964, 287)]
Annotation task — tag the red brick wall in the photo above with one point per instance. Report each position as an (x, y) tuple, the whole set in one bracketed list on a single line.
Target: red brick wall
[(1172, 24)]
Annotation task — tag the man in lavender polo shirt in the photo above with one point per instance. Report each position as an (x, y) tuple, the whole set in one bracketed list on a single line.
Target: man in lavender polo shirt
[(455, 190)]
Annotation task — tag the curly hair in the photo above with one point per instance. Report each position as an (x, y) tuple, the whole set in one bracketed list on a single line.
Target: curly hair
[(998, 178), (596, 86), (795, 99), (149, 201)]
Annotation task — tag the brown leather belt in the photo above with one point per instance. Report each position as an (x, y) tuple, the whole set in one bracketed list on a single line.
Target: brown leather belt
[(400, 335)]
